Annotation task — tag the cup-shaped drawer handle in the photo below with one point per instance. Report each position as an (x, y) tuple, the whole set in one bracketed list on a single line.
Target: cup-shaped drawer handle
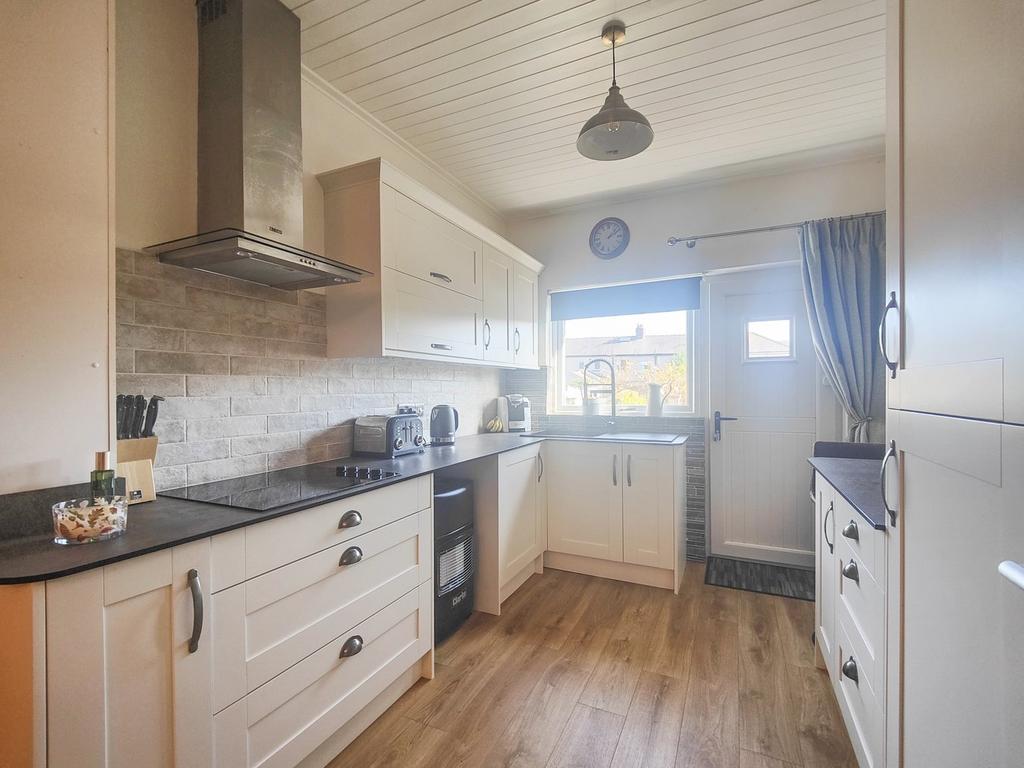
[(849, 669), (850, 571), (351, 647), (850, 531), (350, 519), (441, 276), (351, 556)]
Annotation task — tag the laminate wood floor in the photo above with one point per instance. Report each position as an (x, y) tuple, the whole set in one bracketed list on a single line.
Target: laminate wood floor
[(592, 673)]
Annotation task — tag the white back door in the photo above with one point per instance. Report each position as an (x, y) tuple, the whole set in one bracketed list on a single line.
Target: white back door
[(762, 383)]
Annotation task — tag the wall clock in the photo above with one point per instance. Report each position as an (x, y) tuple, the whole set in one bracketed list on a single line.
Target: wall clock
[(609, 238)]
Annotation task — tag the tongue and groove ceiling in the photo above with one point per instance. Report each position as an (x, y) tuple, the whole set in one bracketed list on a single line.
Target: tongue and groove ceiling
[(495, 91)]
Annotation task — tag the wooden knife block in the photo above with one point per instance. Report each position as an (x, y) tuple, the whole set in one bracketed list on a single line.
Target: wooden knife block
[(135, 459)]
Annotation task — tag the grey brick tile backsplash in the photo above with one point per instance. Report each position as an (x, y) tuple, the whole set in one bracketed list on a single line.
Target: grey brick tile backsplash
[(246, 377)]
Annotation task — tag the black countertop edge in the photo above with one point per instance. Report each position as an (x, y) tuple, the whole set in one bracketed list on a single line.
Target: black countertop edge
[(859, 482), (167, 522)]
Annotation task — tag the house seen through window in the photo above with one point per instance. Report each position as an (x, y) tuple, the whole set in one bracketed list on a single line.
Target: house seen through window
[(644, 349)]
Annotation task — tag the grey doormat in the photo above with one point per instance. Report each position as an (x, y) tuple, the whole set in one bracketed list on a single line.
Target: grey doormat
[(770, 579)]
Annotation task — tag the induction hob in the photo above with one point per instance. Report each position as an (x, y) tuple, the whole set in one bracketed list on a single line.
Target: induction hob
[(283, 487)]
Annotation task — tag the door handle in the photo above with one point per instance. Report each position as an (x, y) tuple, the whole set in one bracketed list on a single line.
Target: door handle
[(351, 556), (824, 527), (719, 418), (890, 453), (615, 469), (629, 470), (851, 531), (197, 610), (441, 276), (350, 519), (540, 467), (849, 670), (890, 364), (446, 347), (487, 335), (517, 340)]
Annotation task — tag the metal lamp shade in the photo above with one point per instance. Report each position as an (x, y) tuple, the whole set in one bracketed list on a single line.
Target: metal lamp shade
[(615, 132)]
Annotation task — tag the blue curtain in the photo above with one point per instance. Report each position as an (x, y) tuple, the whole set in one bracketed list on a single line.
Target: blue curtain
[(843, 265)]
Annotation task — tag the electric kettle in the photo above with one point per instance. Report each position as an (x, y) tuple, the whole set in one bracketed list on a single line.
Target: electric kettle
[(444, 421)]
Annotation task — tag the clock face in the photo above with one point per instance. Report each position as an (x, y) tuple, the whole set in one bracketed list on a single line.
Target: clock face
[(609, 238)]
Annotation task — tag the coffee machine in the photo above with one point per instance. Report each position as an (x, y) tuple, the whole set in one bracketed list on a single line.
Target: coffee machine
[(514, 412)]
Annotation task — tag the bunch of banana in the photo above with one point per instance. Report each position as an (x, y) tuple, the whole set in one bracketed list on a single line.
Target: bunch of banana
[(495, 425)]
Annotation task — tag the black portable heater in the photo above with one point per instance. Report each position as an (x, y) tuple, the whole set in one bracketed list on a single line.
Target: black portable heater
[(454, 561)]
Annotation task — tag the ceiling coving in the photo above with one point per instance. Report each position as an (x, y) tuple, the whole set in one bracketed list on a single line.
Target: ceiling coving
[(616, 131), (495, 92)]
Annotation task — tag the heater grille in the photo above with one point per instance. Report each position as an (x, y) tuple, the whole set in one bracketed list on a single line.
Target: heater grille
[(455, 565)]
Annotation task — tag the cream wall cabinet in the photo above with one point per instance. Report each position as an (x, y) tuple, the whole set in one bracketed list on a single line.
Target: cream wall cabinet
[(442, 286), (955, 233), (619, 503)]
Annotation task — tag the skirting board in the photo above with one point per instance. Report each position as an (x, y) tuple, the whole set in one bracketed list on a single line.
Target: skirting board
[(637, 574), (345, 735)]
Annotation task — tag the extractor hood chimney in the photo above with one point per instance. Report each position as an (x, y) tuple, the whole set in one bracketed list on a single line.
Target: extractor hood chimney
[(250, 152)]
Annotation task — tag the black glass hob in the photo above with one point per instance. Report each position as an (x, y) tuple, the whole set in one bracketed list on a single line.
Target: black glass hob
[(283, 487)]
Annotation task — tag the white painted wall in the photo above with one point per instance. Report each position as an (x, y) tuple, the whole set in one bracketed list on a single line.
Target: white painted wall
[(561, 239)]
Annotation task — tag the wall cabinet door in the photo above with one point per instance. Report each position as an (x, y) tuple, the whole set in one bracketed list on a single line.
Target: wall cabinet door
[(957, 235), (648, 505), (521, 523), (498, 332), (960, 516), (421, 243), (524, 315), (427, 319), (123, 686), (585, 499), (826, 581)]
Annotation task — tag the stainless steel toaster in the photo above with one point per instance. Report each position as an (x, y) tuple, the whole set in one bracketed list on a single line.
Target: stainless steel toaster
[(385, 437)]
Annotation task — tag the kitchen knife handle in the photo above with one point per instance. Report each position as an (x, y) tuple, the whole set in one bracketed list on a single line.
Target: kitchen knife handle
[(138, 417), (151, 413)]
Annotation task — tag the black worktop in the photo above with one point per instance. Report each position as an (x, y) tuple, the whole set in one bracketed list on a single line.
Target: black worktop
[(167, 522), (859, 482)]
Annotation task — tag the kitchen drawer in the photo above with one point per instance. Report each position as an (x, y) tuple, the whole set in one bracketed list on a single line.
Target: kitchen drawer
[(424, 318), (281, 722), (286, 539), (859, 701), (426, 246), (862, 540), (292, 611), (862, 605)]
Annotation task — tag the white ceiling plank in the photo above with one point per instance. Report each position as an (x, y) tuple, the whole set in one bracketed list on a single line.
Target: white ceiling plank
[(779, 73), (705, 63), (532, 66), (494, 91), (499, 157)]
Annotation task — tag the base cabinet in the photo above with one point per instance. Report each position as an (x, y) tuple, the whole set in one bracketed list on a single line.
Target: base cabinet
[(618, 502), (827, 574), (522, 507), (124, 685)]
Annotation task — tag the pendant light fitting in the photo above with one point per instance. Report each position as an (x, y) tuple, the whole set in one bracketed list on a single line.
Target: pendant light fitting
[(616, 131)]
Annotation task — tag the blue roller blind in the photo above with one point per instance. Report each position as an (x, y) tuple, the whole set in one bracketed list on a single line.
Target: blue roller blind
[(632, 299)]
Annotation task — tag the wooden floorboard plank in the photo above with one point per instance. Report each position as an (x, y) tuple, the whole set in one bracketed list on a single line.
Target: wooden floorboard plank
[(515, 690), (769, 709), (709, 735), (588, 740), (618, 669), (650, 734), (531, 737)]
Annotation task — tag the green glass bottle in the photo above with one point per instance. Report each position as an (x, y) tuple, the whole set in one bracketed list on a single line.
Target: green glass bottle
[(101, 481)]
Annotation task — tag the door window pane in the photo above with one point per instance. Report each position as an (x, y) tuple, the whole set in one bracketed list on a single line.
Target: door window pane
[(769, 339)]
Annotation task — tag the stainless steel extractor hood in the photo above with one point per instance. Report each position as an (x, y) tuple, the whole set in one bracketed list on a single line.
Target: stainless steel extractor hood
[(250, 152)]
